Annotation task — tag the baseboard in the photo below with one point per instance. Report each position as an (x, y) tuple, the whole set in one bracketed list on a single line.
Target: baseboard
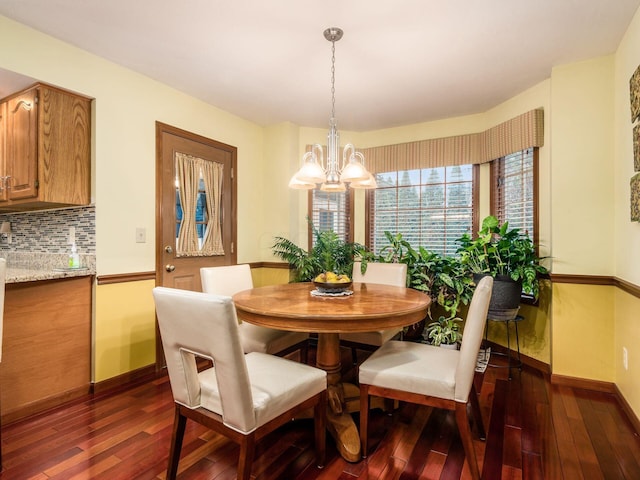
[(584, 383), (633, 418), (106, 387), (529, 361), (126, 380), (44, 405)]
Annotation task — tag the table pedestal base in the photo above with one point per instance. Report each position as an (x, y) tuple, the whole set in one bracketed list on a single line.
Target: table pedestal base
[(343, 430), (342, 427)]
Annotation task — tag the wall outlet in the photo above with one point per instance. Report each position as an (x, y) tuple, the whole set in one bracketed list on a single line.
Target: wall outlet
[(141, 235), (625, 359)]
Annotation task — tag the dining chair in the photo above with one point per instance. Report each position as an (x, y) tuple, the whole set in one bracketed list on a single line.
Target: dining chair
[(231, 279), (242, 396), (433, 376), (394, 274), (3, 275)]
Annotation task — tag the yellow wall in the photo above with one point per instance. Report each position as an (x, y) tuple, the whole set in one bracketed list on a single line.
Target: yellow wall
[(269, 276), (582, 178), (626, 233), (583, 331), (582, 211), (534, 331), (627, 335), (125, 330)]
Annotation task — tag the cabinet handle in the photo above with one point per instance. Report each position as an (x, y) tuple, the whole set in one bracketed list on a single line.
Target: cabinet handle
[(168, 249), (170, 268), (24, 104)]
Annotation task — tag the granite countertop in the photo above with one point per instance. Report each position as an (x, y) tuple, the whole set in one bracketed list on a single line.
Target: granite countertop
[(31, 267)]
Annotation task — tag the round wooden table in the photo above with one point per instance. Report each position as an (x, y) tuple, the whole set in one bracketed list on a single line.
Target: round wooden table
[(370, 307)]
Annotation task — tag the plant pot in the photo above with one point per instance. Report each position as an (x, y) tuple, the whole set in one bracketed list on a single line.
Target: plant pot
[(414, 332), (449, 346), (505, 297)]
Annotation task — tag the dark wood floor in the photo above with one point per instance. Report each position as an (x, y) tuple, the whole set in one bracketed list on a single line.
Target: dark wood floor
[(535, 430)]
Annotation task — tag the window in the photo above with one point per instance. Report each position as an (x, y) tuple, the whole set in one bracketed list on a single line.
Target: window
[(331, 211), (431, 207), (514, 192), (202, 217)]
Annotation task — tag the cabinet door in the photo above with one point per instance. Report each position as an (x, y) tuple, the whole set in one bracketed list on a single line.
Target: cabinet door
[(21, 162)]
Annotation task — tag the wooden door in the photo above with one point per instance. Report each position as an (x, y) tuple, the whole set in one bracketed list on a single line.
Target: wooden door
[(180, 270), (21, 162)]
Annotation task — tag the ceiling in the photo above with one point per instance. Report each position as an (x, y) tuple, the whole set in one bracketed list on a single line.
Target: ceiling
[(399, 62)]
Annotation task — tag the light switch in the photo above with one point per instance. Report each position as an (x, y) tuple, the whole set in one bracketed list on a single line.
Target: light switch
[(141, 235)]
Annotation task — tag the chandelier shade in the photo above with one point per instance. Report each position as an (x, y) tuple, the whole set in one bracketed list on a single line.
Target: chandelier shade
[(333, 174)]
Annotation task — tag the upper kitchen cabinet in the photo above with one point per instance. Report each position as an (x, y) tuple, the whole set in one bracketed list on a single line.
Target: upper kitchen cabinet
[(46, 149)]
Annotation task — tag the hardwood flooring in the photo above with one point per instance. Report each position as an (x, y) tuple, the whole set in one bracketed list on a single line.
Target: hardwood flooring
[(535, 430)]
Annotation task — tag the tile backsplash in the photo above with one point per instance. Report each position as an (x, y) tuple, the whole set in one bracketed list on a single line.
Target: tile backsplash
[(48, 231)]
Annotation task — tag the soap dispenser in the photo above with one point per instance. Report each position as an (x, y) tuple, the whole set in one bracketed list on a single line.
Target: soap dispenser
[(74, 258)]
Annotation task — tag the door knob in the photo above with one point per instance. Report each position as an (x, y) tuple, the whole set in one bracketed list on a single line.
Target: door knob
[(170, 268), (168, 249)]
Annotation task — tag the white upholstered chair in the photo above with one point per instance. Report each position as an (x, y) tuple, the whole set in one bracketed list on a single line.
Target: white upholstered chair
[(434, 376), (231, 279), (243, 396), (3, 274), (394, 274)]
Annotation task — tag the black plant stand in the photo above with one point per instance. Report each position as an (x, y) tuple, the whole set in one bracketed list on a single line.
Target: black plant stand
[(506, 318)]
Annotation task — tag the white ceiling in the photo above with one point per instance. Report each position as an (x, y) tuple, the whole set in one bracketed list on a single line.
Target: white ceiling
[(400, 62)]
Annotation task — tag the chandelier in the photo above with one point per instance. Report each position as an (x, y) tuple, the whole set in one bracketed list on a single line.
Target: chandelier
[(334, 174)]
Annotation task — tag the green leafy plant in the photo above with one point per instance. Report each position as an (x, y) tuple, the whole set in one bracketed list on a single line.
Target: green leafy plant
[(444, 331), (442, 278), (397, 250), (498, 250), (329, 254)]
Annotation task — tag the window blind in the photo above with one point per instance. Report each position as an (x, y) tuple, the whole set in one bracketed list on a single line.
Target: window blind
[(514, 191)]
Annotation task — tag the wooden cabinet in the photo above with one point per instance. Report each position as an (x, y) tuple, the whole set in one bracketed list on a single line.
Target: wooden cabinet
[(46, 159), (46, 359)]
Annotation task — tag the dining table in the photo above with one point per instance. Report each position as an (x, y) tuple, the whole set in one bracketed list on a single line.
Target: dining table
[(362, 307)]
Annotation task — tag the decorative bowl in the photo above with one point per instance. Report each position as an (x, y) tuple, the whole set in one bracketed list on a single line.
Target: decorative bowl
[(334, 287)]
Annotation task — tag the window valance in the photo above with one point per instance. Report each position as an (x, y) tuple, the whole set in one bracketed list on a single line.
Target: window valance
[(519, 133)]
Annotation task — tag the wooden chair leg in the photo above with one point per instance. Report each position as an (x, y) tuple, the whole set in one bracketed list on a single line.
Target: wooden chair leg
[(354, 355), (304, 353), (462, 419), (320, 427), (245, 460), (179, 423), (477, 414), (364, 418), (389, 406)]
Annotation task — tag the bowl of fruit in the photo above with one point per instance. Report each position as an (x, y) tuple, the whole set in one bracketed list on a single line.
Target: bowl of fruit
[(330, 282)]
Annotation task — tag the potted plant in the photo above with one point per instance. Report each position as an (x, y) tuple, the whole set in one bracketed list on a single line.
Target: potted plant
[(441, 277), (329, 254), (508, 256), (444, 332)]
